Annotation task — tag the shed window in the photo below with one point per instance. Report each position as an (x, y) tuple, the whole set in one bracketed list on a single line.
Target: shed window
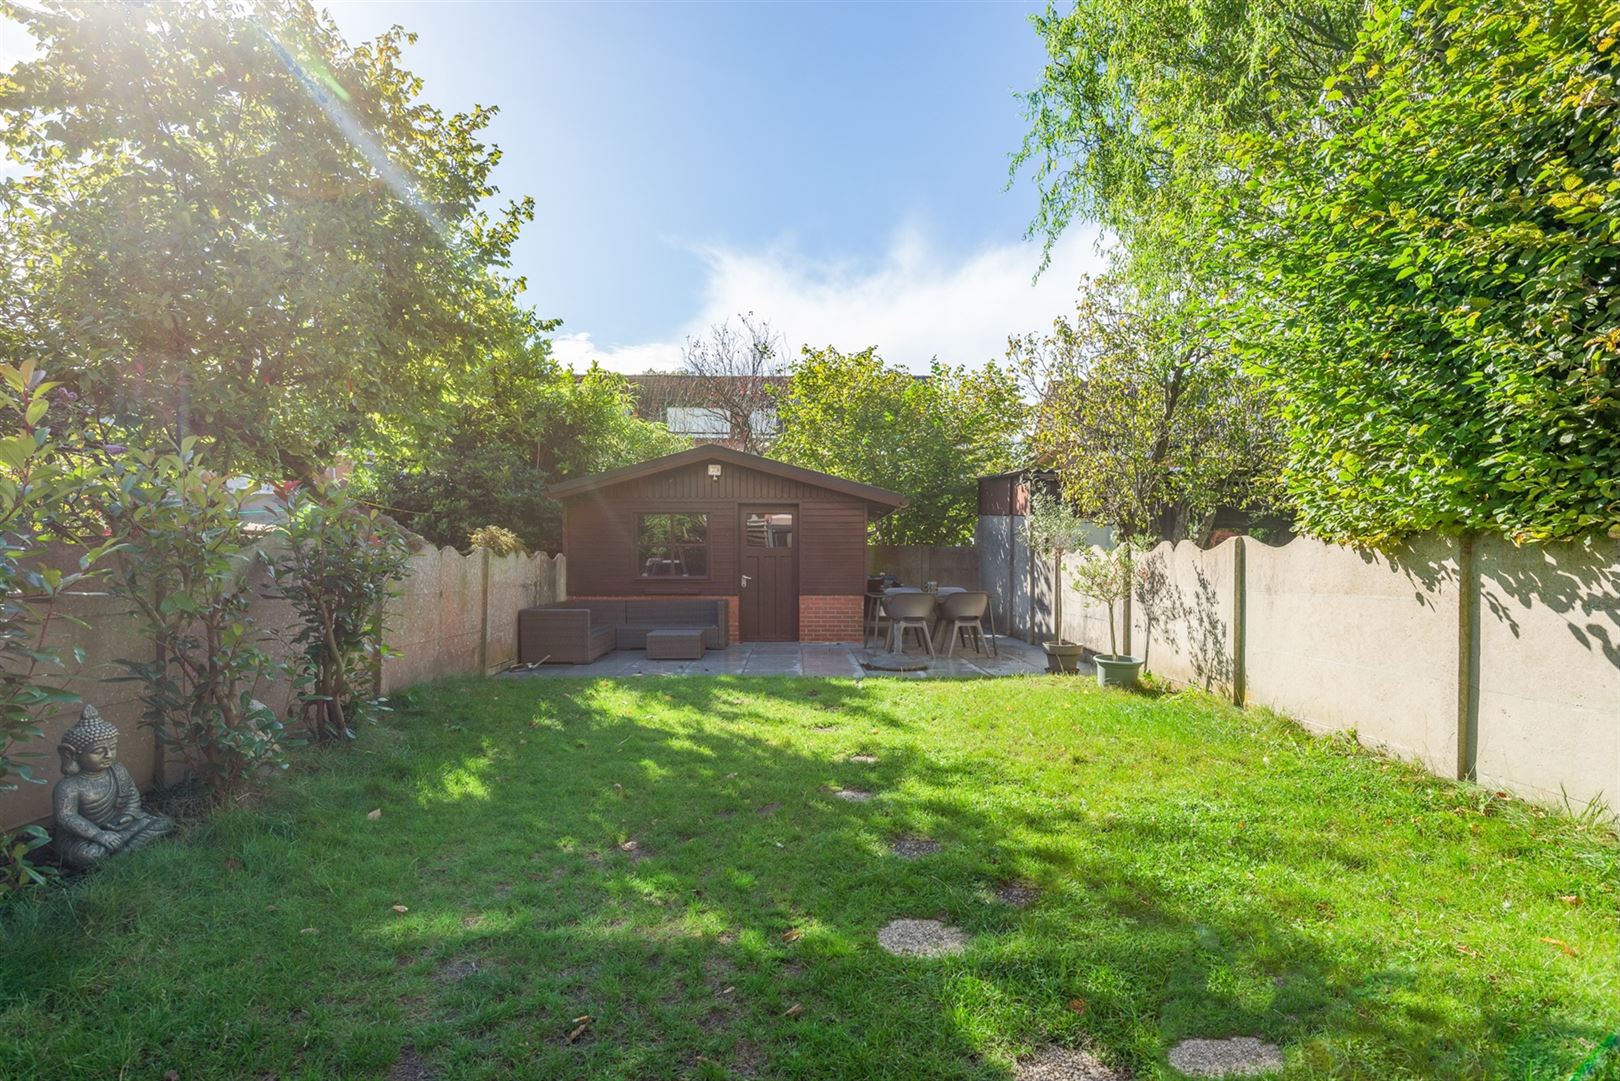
[(672, 545)]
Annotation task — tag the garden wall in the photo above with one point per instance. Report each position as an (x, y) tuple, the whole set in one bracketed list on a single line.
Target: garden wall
[(1472, 656), (454, 615)]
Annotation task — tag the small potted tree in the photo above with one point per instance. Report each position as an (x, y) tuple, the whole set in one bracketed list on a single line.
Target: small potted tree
[(1106, 577), (1053, 529)]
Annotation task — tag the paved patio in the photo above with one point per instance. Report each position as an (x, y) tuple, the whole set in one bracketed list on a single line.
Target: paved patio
[(1015, 658)]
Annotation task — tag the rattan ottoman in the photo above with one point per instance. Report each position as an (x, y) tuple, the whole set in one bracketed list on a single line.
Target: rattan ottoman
[(675, 644)]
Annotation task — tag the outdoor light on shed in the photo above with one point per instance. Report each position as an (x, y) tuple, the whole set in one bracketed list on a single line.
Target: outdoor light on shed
[(714, 470)]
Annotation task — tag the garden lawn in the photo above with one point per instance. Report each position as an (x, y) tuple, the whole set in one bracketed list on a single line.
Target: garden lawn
[(654, 878)]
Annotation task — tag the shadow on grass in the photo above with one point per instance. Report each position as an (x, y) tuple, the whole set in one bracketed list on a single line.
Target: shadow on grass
[(656, 878)]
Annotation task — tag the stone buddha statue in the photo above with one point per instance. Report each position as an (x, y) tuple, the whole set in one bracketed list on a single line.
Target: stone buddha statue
[(98, 807)]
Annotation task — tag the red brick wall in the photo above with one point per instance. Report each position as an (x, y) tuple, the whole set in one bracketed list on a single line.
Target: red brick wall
[(829, 619), (733, 632)]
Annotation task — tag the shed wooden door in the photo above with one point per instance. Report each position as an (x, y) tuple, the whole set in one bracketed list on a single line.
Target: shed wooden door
[(768, 554)]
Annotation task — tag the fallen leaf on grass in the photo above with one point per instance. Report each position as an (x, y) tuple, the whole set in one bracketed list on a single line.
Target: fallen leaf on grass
[(374, 815), (1561, 944), (401, 909), (793, 935), (794, 1010), (1465, 949), (582, 1023), (1077, 1005), (309, 931), (233, 864), (1570, 899), (629, 846)]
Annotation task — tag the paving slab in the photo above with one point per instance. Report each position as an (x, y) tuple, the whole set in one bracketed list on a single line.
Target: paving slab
[(1064, 1064), (913, 848), (921, 938), (1235, 1056)]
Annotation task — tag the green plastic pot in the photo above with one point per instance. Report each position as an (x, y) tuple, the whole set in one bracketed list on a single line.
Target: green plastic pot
[(1117, 671)]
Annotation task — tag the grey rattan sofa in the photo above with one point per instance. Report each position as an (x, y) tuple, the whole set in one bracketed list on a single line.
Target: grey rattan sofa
[(578, 632)]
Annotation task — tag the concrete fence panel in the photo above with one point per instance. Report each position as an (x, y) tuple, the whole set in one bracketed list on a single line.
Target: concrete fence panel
[(1183, 618), (1546, 689), (515, 582), (436, 621), (1084, 620), (1342, 639)]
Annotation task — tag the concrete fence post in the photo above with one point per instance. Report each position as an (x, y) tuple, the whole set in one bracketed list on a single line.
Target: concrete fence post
[(1467, 659), (483, 611), (1240, 589)]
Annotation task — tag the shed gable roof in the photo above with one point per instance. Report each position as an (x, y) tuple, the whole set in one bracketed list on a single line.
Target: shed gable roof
[(880, 500)]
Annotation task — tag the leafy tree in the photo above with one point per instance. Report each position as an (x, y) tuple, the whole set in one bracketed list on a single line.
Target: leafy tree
[(516, 424), (1128, 118), (1150, 424), (927, 437), (183, 564), (336, 563), (734, 371), (1428, 264), (497, 540), (1105, 575), (232, 223)]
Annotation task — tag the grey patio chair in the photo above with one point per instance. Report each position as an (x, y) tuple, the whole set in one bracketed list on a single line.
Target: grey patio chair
[(965, 613), (909, 611)]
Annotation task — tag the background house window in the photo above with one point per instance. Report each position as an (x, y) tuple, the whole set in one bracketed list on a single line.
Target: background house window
[(672, 545), (697, 422), (764, 422)]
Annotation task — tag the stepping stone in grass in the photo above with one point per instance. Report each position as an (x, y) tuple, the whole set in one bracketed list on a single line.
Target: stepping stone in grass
[(454, 970), (1064, 1064), (853, 795), (1237, 1056), (921, 938), (1017, 895), (913, 848)]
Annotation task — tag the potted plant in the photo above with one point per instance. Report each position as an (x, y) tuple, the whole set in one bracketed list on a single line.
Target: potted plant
[(1106, 577), (1053, 529)]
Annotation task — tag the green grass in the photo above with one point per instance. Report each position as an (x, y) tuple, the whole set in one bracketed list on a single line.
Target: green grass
[(1204, 872)]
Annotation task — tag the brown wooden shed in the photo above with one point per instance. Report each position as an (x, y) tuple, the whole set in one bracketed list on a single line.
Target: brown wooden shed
[(784, 546)]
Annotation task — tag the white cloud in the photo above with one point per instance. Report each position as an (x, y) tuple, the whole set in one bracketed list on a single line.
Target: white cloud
[(915, 305)]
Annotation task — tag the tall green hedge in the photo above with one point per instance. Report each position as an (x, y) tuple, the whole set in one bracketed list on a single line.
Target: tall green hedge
[(1427, 265)]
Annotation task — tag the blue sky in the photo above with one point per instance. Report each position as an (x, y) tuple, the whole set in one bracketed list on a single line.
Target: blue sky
[(839, 169)]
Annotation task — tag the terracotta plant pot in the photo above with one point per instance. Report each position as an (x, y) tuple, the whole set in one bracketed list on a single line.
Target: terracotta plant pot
[(1117, 671), (1062, 658)]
